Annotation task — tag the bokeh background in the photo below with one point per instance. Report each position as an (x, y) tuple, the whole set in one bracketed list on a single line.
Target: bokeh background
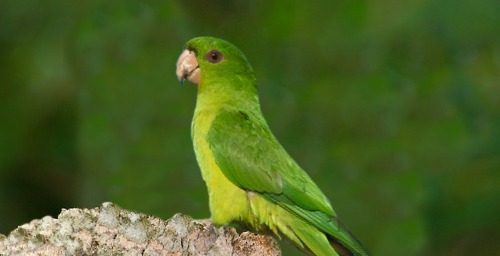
[(393, 107)]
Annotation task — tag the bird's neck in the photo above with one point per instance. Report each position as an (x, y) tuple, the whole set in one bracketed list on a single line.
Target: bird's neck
[(213, 97)]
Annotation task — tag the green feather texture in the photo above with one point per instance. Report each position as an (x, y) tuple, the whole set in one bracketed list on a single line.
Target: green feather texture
[(237, 152)]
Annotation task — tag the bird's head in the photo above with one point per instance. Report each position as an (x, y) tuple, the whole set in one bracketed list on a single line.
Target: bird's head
[(212, 59)]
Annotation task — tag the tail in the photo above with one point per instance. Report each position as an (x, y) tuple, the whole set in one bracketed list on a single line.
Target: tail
[(351, 247), (313, 241), (313, 232)]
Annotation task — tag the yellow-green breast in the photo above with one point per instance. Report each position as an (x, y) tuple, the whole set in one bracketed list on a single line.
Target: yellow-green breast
[(227, 201)]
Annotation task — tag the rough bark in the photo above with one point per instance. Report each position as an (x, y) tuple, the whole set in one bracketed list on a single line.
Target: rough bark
[(110, 230)]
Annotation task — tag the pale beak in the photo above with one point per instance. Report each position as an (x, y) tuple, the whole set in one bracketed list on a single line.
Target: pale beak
[(187, 67)]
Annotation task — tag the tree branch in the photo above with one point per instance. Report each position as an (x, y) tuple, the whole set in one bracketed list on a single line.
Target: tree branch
[(110, 230)]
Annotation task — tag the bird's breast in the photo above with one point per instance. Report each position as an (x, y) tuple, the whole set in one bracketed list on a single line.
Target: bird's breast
[(227, 201)]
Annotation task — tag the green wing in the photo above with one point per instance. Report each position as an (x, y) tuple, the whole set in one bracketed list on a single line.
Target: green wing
[(251, 157)]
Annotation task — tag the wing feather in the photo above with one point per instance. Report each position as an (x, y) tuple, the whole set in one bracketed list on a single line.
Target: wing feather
[(250, 156)]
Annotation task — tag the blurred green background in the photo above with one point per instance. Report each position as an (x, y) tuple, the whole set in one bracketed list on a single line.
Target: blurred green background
[(393, 107)]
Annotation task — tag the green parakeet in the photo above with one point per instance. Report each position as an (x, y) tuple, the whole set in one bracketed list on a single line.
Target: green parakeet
[(250, 178)]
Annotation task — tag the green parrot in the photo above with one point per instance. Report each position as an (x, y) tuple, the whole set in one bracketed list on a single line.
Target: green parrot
[(250, 177)]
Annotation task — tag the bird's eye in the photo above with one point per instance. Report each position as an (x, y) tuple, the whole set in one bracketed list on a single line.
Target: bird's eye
[(214, 56)]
